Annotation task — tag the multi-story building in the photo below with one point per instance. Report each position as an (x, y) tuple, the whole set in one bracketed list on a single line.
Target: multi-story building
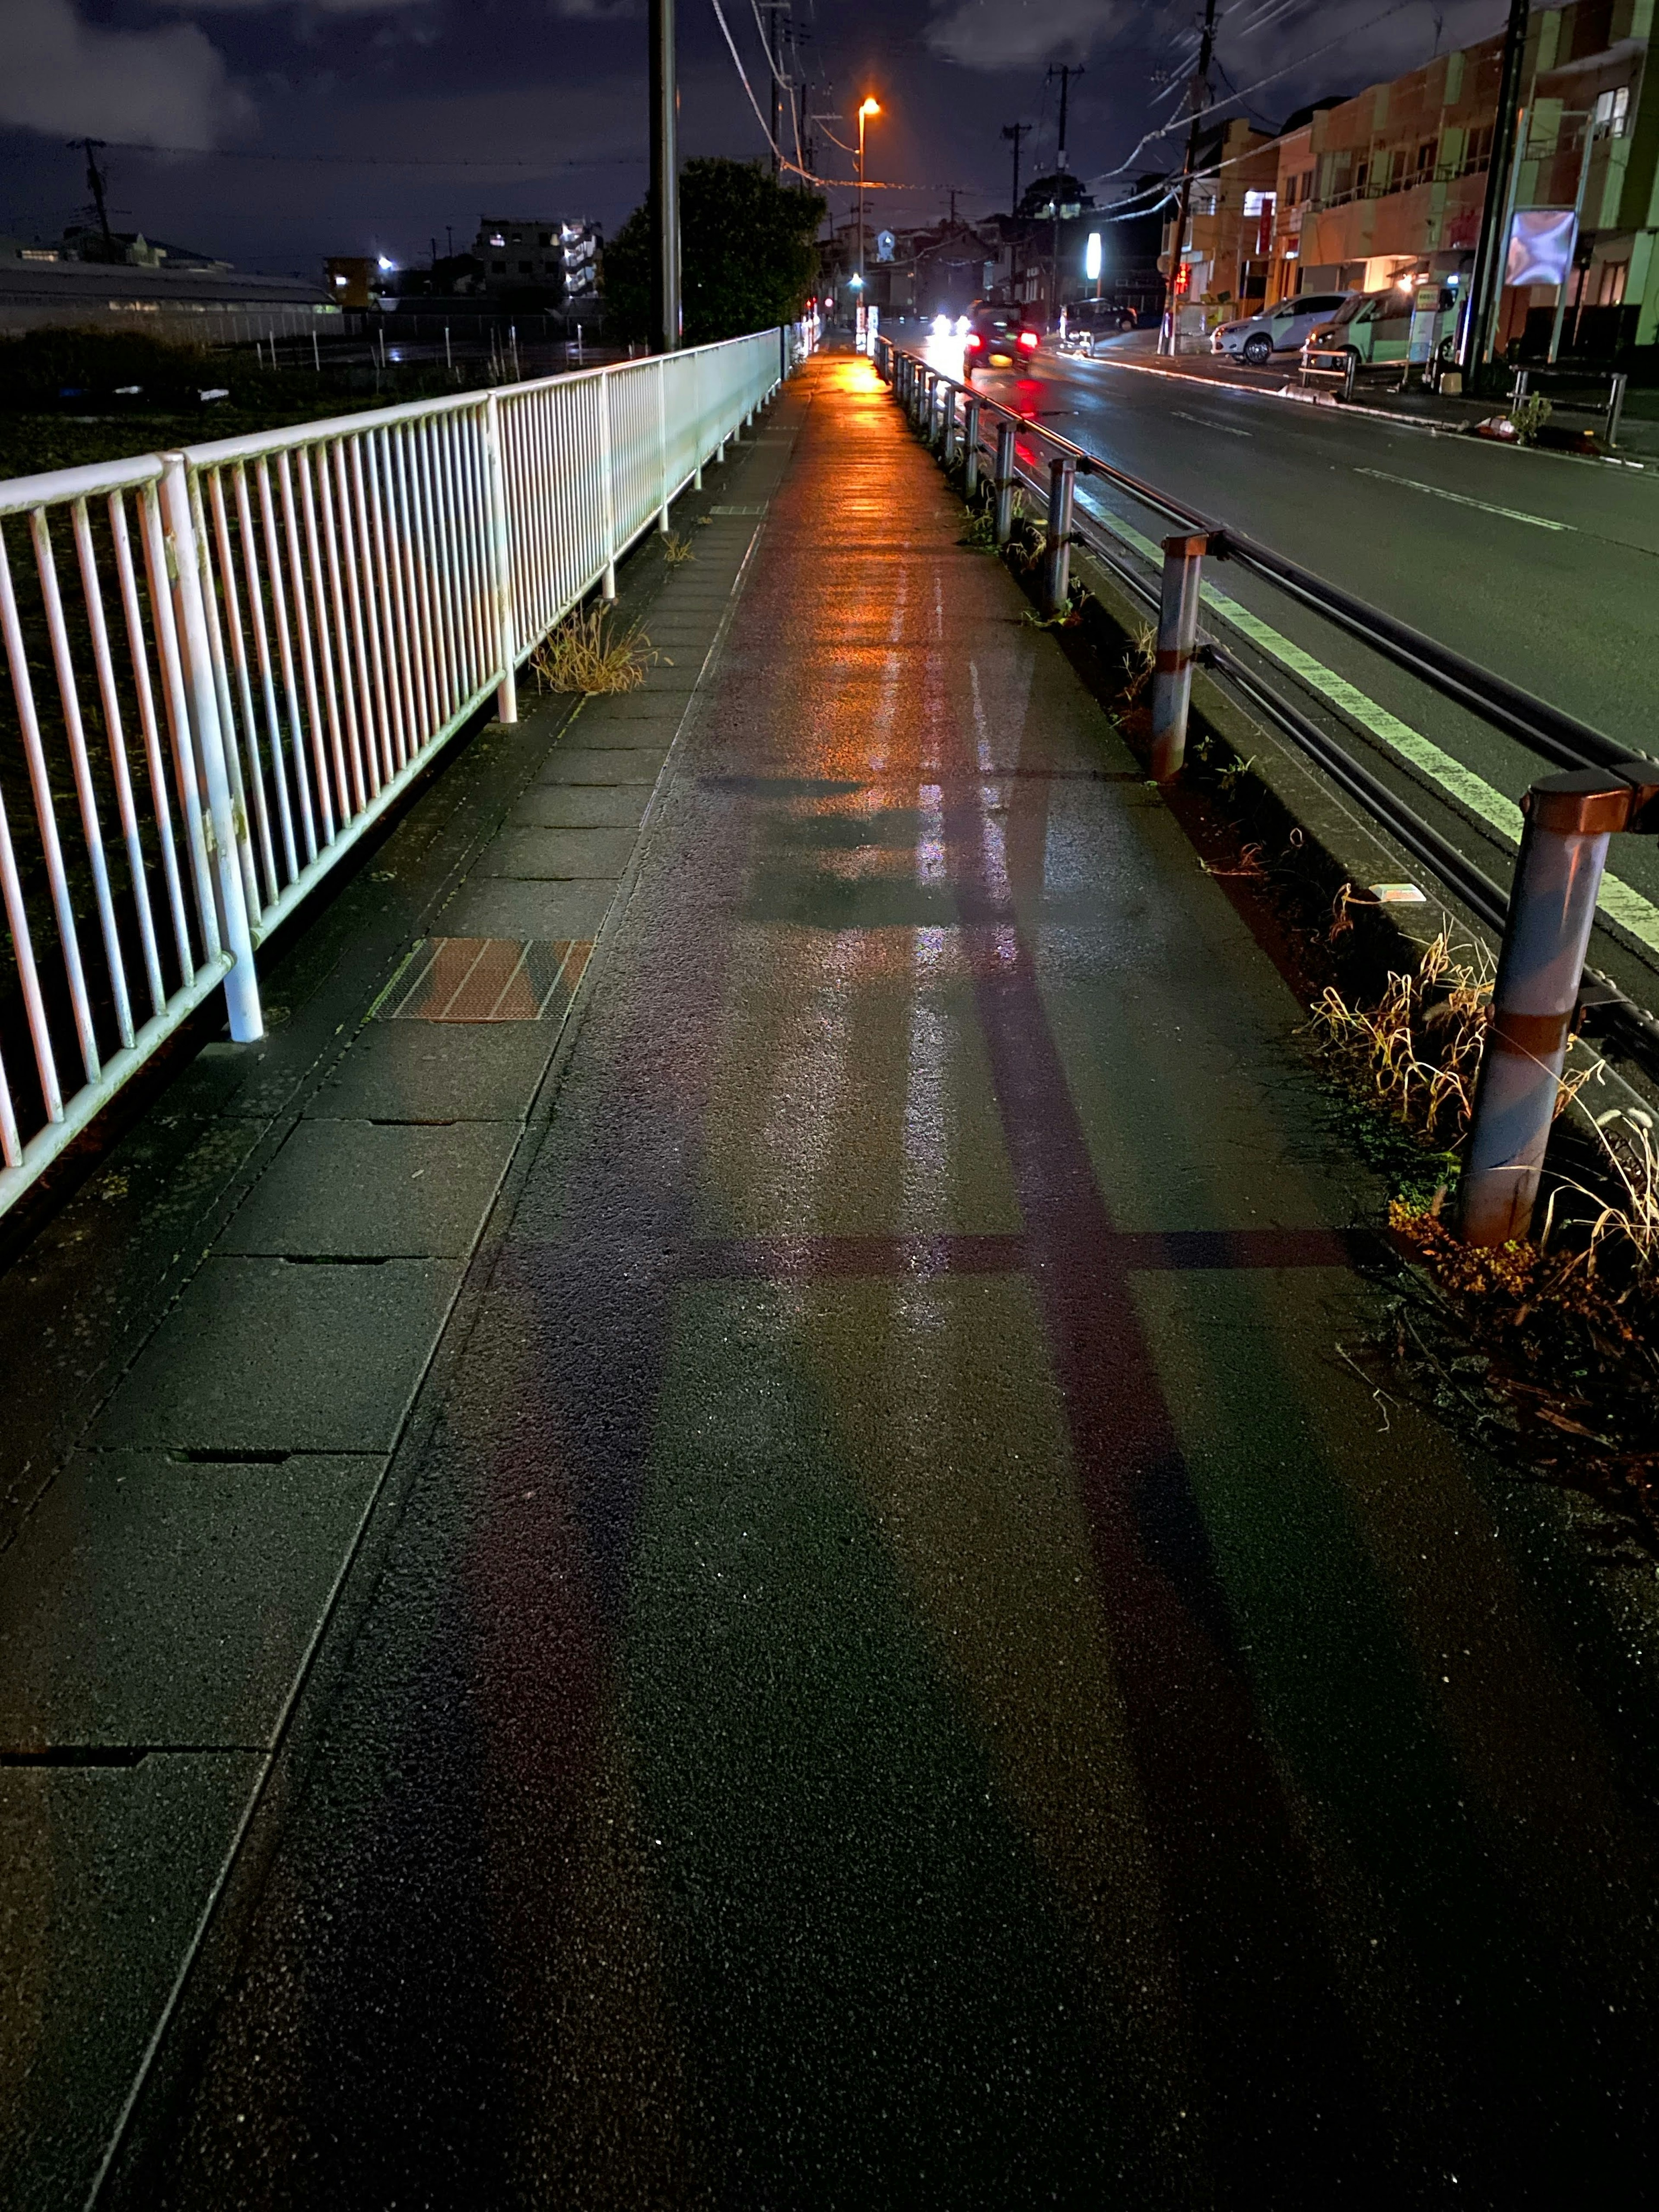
[(1228, 249), (537, 253), (1389, 185)]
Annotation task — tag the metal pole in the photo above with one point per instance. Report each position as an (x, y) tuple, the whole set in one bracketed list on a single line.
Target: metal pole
[(1062, 483), (1577, 211), (1177, 640), (1564, 850), (1615, 408), (971, 449), (1493, 244), (1005, 481), (664, 182), (500, 549), (189, 555), (948, 450), (1200, 96)]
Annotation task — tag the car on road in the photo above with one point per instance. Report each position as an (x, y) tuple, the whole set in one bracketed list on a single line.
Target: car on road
[(999, 337), (1283, 329), (1377, 326)]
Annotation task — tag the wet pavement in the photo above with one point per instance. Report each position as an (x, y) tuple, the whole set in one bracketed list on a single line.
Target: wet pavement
[(905, 1663)]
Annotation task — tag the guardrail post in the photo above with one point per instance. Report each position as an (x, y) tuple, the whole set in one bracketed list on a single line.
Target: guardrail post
[(501, 552), (948, 450), (1350, 371), (662, 439), (1005, 481), (1616, 409), (1062, 484), (608, 580), (971, 449), (1177, 640), (188, 556), (1564, 850)]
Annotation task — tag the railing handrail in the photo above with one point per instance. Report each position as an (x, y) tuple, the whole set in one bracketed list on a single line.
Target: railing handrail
[(19, 494)]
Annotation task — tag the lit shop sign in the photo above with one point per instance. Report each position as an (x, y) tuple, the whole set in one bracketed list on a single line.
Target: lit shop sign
[(1541, 241)]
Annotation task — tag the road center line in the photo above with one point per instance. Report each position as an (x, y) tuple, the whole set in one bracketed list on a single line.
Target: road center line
[(1462, 499), (1620, 900), (1209, 423)]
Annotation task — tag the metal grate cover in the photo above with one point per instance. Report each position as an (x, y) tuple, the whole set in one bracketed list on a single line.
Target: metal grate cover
[(488, 979)]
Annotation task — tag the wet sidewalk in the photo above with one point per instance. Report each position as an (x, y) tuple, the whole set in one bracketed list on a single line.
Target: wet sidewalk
[(895, 1661)]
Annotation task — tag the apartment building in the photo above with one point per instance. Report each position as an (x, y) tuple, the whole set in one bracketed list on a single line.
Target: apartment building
[(1389, 185), (537, 253)]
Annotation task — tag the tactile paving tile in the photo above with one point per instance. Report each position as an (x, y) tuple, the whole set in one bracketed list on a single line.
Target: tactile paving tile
[(488, 979)]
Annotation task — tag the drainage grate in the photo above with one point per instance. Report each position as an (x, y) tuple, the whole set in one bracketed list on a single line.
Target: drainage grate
[(736, 510), (488, 979)]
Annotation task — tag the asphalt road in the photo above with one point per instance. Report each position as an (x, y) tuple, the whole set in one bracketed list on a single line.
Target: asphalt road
[(1543, 568), (910, 1672)]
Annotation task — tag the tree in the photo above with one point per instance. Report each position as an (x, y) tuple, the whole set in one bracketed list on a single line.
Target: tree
[(747, 259)]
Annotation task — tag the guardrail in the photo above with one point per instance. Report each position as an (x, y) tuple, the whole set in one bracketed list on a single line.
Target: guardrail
[(953, 419), (227, 662)]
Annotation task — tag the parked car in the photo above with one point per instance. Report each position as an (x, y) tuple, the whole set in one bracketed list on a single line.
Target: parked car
[(1283, 329), (999, 337), (1377, 326)]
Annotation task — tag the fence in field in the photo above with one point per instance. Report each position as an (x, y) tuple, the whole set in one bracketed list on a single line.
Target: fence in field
[(225, 663)]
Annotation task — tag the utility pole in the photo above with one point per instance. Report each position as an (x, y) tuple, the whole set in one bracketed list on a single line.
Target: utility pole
[(92, 147), (664, 182), (1184, 205), (1066, 73), (1479, 331), (774, 11), (1016, 131)]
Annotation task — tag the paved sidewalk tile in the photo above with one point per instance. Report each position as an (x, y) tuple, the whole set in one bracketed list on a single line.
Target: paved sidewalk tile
[(499, 906), (153, 1598), (437, 1072), (269, 1355), (579, 807), (558, 855), (342, 1189), (572, 764)]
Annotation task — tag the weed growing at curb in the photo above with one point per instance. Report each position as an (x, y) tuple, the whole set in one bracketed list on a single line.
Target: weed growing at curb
[(582, 655), (675, 549)]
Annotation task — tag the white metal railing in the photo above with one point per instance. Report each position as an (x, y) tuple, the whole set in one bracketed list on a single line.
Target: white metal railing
[(227, 662)]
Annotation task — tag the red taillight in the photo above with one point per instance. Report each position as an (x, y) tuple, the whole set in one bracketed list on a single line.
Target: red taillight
[(1028, 337), (975, 342)]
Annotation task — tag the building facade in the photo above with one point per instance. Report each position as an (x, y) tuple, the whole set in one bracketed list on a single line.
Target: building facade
[(539, 253), (1390, 185)]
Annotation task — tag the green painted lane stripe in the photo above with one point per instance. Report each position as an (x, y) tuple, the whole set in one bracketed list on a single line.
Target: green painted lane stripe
[(1618, 900), (1462, 499)]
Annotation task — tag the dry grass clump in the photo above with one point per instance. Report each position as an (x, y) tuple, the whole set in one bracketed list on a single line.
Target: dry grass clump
[(675, 549), (585, 654), (1548, 1347)]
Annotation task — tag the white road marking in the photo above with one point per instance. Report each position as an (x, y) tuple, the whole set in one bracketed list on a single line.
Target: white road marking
[(1619, 900), (1461, 499), (1209, 423)]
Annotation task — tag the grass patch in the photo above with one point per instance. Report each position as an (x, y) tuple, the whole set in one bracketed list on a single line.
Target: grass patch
[(585, 654)]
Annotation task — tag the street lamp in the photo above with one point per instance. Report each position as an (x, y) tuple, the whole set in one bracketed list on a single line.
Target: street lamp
[(868, 108)]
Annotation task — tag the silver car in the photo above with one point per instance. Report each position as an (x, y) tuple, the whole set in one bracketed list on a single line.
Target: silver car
[(1281, 330)]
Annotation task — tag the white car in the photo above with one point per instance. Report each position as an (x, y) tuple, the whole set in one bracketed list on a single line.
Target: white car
[(1281, 330)]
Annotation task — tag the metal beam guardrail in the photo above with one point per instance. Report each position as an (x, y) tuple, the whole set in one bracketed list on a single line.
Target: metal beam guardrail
[(227, 662), (1542, 729)]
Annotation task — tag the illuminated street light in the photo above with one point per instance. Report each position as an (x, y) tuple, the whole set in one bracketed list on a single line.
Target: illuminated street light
[(869, 107)]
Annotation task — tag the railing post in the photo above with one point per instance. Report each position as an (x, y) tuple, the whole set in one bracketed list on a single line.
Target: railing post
[(1178, 640), (948, 451), (1564, 850), (500, 558), (1005, 481), (187, 558), (971, 449), (662, 439), (1615, 409), (1349, 370), (608, 581), (1062, 484)]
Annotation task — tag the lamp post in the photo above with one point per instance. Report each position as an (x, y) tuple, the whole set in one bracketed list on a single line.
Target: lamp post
[(868, 108)]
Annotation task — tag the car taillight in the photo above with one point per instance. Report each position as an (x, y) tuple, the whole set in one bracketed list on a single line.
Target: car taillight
[(1028, 337), (975, 342)]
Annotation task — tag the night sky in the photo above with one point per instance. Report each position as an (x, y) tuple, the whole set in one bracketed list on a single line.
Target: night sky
[(305, 127)]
